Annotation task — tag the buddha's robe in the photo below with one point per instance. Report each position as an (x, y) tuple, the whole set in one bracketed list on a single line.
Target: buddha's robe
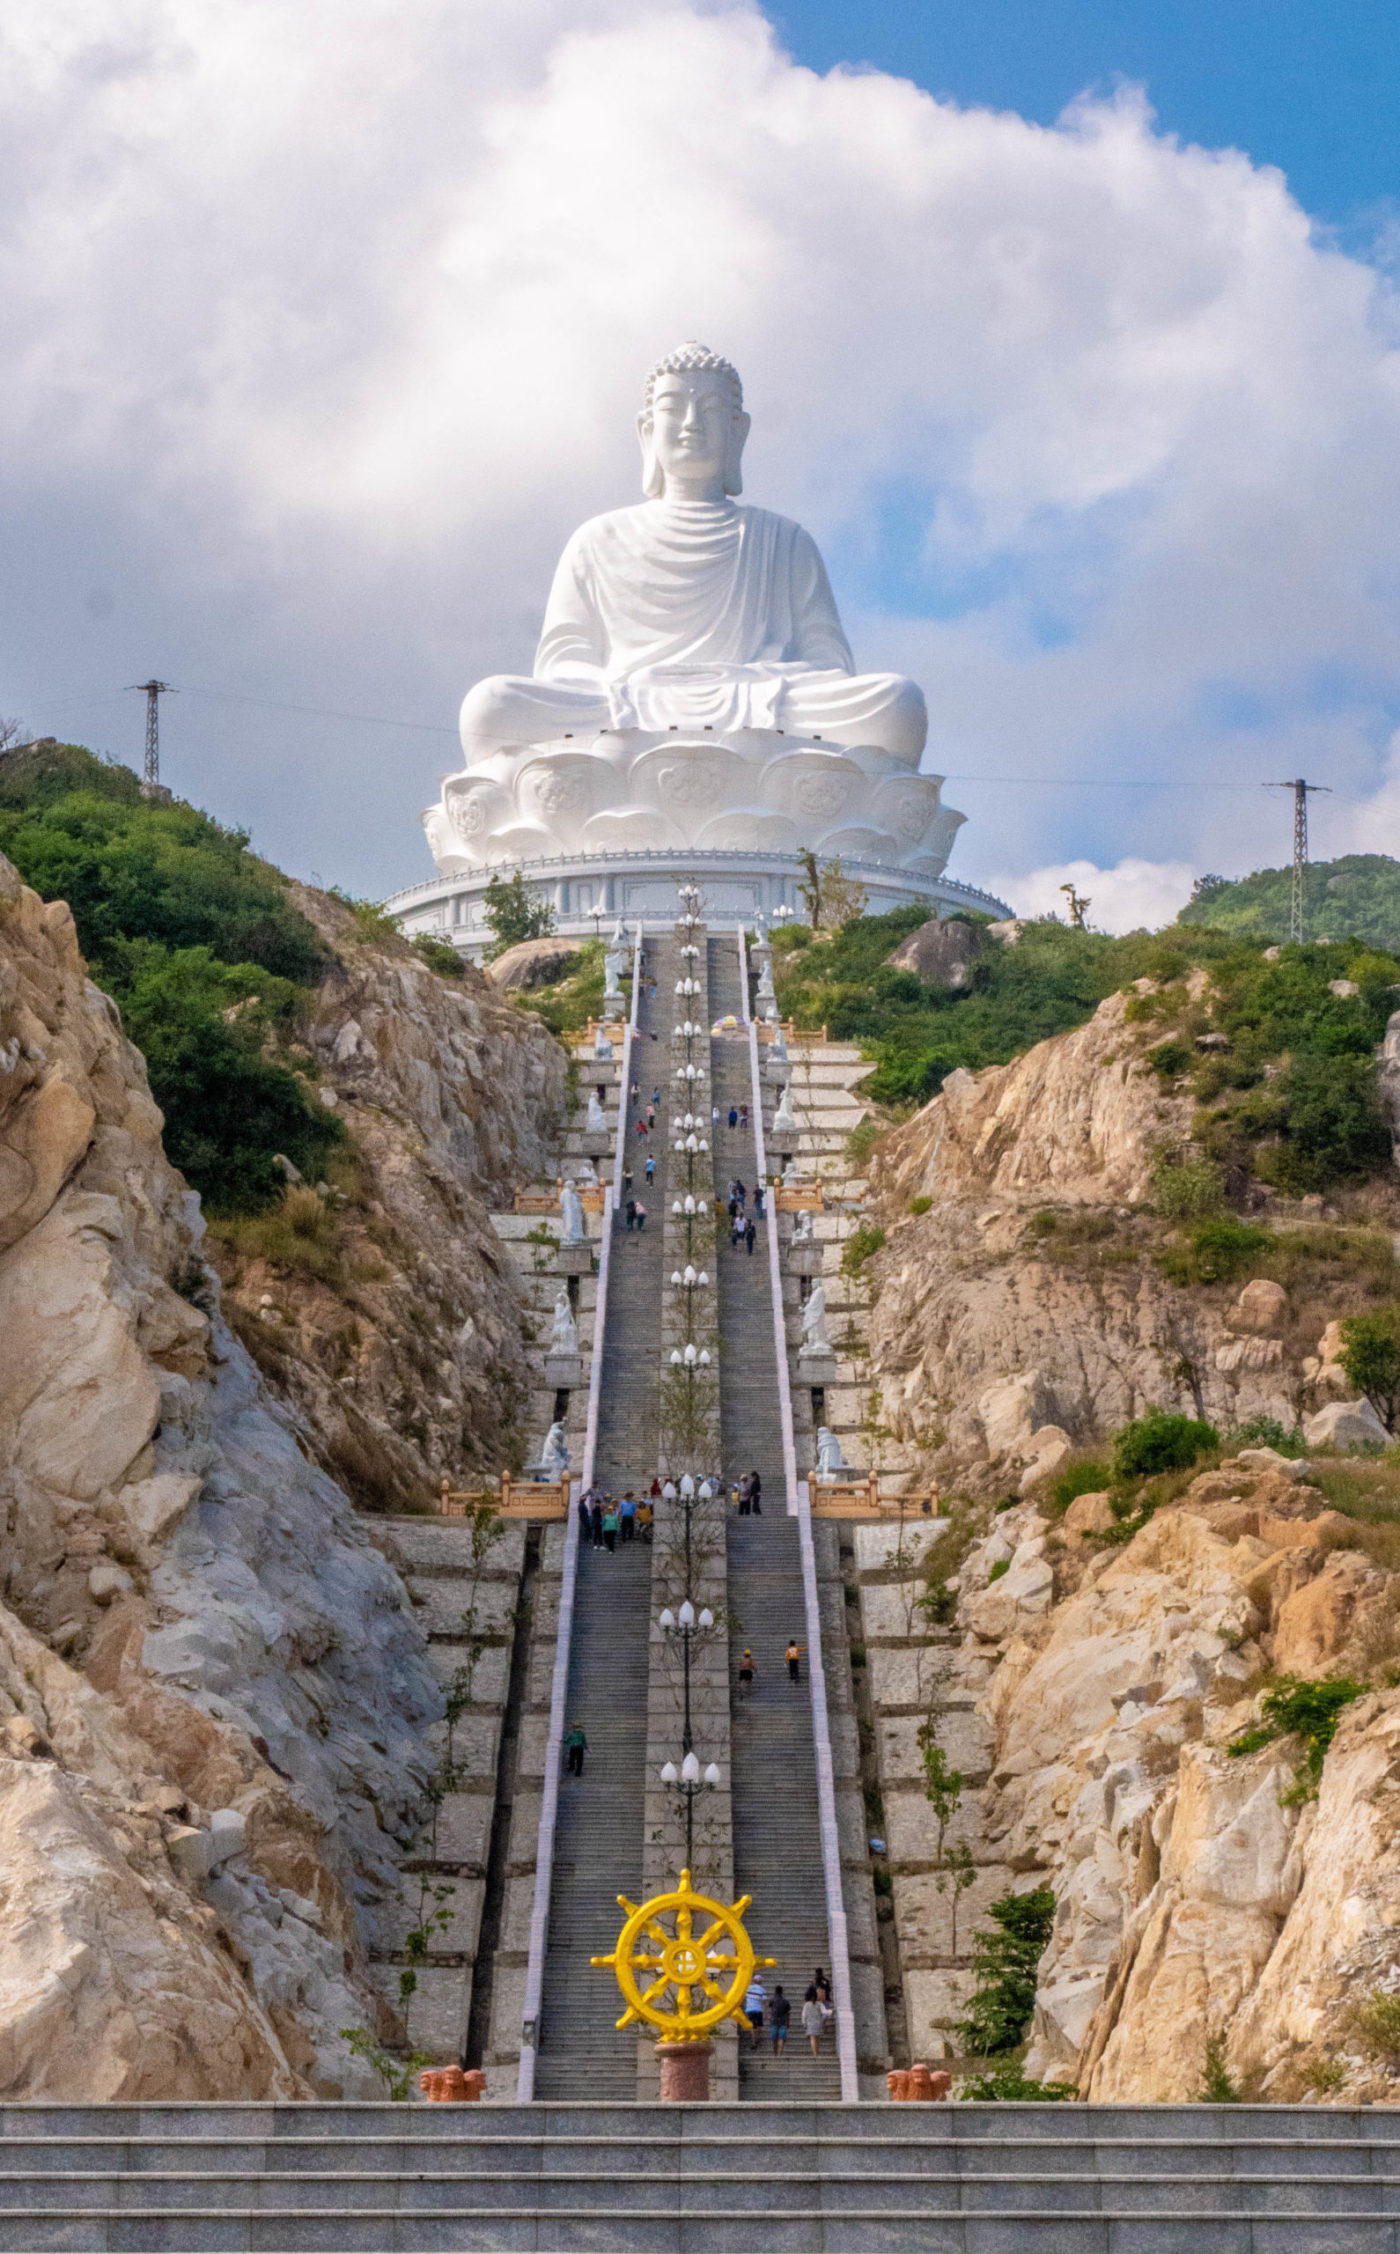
[(694, 615)]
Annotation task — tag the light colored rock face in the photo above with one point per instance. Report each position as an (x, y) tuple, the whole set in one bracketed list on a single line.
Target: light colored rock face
[(1076, 1117), (230, 1637), (533, 962), (1028, 1315), (1174, 1865), (452, 1097)]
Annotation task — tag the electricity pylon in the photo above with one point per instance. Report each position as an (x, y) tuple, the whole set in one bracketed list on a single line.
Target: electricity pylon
[(1300, 791)]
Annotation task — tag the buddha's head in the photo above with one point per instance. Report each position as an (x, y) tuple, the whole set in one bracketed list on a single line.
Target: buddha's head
[(692, 426)]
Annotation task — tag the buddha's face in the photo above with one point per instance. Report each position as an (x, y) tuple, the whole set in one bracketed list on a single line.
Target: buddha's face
[(692, 433)]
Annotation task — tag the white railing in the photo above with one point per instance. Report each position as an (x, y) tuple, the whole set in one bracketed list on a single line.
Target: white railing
[(559, 1682), (799, 1506)]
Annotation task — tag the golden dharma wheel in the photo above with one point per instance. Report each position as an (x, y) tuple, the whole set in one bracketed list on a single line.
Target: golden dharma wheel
[(681, 1980)]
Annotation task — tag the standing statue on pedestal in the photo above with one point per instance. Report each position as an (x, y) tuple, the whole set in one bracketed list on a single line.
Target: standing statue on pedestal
[(565, 1336), (829, 1457), (571, 1213), (785, 1118), (602, 1046), (693, 685), (814, 1320), (597, 1117), (554, 1453)]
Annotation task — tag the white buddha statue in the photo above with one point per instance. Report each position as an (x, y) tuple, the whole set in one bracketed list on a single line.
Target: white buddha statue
[(690, 611), (692, 685)]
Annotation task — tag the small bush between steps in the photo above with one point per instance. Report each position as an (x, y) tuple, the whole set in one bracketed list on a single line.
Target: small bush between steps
[(1007, 2085)]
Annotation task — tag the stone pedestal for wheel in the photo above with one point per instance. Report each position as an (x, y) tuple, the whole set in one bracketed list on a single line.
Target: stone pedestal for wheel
[(685, 2072)]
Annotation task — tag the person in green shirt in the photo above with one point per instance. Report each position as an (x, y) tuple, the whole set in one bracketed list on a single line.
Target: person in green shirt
[(610, 1526), (575, 1746)]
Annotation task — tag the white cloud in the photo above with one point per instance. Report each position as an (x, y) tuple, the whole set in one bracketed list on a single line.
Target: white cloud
[(1134, 896), (325, 326)]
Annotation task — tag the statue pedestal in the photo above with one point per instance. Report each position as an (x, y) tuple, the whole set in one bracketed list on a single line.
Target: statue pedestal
[(574, 1258), (803, 1259), (563, 1371), (595, 1144), (614, 1007), (816, 1365), (685, 2072)]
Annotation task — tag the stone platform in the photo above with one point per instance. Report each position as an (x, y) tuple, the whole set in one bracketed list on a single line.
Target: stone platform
[(701, 2179)]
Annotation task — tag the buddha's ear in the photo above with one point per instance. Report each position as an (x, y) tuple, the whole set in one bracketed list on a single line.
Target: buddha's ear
[(653, 476), (733, 474)]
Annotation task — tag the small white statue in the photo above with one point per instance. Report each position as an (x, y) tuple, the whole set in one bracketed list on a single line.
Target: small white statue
[(829, 1456), (785, 1118), (814, 1320), (565, 1337), (777, 1047), (790, 1174), (765, 981), (802, 1230), (554, 1454), (571, 1211), (587, 1174), (619, 937), (597, 1117), (612, 965), (602, 1046)]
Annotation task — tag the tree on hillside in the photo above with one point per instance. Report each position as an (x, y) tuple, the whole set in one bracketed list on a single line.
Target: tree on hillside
[(515, 913), (832, 899), (1371, 1358)]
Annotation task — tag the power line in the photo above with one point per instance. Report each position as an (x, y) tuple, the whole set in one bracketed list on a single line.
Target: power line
[(1300, 791)]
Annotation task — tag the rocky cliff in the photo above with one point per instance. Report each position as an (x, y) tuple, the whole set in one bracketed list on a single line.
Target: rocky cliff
[(1030, 1299), (1094, 1678), (383, 1318), (214, 1697)]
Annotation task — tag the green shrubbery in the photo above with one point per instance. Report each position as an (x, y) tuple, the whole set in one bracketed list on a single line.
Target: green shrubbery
[(1004, 1962), (1360, 894), (1308, 1711), (198, 943), (1286, 1081), (1162, 1440)]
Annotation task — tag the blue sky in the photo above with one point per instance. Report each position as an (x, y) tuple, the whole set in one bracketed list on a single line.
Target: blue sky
[(1097, 423), (1312, 86)]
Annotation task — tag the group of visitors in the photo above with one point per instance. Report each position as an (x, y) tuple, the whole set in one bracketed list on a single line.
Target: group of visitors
[(604, 1520), (738, 1117), (747, 1496), (775, 2012), (748, 1666)]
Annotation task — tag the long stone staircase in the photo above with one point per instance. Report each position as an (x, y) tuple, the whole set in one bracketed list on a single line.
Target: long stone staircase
[(777, 1841), (599, 1839), (555, 2178)]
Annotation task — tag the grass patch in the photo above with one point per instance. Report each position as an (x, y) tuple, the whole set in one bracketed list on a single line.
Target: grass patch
[(1309, 1712), (860, 1247), (862, 1139), (1082, 1475), (918, 1205)]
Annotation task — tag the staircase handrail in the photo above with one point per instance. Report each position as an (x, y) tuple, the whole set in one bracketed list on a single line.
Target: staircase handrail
[(559, 1683), (798, 1506)]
